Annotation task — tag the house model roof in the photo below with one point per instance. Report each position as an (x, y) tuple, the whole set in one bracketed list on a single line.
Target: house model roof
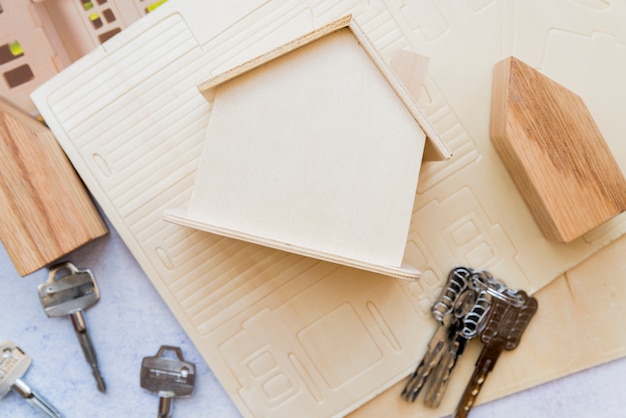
[(314, 148)]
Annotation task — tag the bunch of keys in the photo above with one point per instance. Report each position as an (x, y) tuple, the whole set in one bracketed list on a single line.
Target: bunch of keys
[(459, 310), (472, 303), (168, 377), (68, 295), (13, 366)]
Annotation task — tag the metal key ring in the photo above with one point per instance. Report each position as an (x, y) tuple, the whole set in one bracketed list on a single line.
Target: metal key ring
[(482, 280)]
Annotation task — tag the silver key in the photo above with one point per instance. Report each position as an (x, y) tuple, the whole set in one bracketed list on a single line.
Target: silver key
[(457, 310), (425, 368), (469, 313), (13, 366), (458, 280), (461, 307), (68, 292), (168, 377), (442, 311)]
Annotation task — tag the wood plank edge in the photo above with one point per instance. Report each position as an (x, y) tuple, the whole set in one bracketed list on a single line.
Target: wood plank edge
[(441, 150), (498, 135), (499, 93), (411, 69), (275, 53), (180, 217)]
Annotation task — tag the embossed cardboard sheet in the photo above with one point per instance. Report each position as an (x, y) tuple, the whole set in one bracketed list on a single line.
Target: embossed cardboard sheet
[(292, 336)]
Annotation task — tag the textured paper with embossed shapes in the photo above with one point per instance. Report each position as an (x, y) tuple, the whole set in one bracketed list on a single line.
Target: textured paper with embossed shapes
[(263, 318)]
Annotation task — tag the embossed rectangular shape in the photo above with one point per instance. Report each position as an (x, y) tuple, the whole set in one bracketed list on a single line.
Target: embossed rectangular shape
[(46, 36)]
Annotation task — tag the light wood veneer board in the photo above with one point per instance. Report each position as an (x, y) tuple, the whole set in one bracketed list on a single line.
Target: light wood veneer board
[(554, 151), (412, 68), (264, 319), (45, 211), (181, 217), (342, 155)]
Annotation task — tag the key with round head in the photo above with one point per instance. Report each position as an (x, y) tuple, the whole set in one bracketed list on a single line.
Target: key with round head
[(68, 292), (168, 377), (14, 364), (458, 280), (503, 329)]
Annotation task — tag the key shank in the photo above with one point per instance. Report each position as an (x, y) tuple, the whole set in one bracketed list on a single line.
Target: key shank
[(80, 328), (484, 365), (41, 405), (165, 406)]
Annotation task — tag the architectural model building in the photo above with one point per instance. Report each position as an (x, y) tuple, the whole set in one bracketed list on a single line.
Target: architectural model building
[(38, 38), (314, 148)]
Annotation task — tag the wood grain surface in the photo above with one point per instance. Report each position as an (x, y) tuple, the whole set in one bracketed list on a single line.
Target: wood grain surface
[(45, 211), (554, 152)]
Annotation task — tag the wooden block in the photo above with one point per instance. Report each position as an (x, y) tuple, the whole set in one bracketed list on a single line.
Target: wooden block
[(45, 211), (554, 151)]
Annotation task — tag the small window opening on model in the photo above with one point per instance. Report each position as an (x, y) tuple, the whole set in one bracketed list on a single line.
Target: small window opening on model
[(10, 52)]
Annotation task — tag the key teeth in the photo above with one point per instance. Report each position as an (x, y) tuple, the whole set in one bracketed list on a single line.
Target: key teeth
[(436, 367), (471, 393), (35, 400), (100, 381), (424, 369), (503, 331), (415, 383), (440, 384)]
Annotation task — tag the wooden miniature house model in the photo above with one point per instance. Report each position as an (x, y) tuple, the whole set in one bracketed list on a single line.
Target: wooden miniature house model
[(45, 211), (554, 151), (313, 148)]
